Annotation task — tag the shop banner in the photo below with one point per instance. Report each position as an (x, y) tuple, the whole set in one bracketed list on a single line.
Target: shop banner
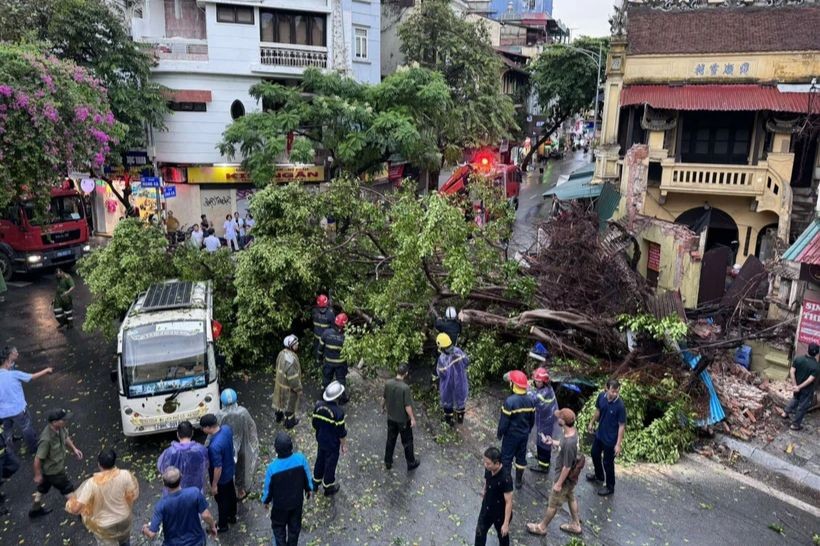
[(235, 175), (306, 173), (809, 330)]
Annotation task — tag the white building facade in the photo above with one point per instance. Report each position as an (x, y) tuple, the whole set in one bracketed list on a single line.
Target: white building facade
[(209, 55)]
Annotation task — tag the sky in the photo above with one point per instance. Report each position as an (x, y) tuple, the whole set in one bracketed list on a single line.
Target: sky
[(585, 17)]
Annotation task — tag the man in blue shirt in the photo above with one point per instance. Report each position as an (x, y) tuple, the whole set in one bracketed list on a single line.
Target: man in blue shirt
[(287, 484), (179, 514), (222, 469), (610, 413), (13, 407)]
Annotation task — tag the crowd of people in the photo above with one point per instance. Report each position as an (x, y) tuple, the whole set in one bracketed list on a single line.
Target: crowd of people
[(237, 232)]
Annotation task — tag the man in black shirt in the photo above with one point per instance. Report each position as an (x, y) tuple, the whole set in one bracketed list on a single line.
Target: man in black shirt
[(496, 509), (398, 404)]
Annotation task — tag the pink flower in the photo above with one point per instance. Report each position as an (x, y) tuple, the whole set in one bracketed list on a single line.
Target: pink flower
[(5, 90), (49, 82), (101, 136), (81, 113), (97, 119), (50, 112), (22, 100), (99, 159), (109, 118)]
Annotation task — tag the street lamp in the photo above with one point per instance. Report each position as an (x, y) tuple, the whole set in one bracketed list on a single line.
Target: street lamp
[(597, 58)]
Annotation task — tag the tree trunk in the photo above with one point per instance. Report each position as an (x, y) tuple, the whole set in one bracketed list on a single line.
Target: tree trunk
[(540, 141), (121, 197)]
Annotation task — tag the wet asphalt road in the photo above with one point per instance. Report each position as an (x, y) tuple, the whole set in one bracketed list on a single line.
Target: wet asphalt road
[(689, 503)]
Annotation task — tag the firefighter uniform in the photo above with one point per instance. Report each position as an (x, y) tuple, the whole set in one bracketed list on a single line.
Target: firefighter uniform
[(451, 327), (63, 302), (330, 349), (323, 318), (514, 426), (329, 423), (545, 408)]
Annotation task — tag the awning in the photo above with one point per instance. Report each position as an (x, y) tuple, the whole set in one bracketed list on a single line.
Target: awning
[(742, 97), (578, 186), (806, 249), (186, 95)]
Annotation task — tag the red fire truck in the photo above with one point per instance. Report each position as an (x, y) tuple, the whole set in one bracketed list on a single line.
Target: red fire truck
[(31, 241), (505, 177)]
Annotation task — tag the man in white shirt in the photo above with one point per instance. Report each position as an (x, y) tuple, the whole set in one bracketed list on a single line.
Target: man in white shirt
[(211, 242), (197, 236), (230, 228)]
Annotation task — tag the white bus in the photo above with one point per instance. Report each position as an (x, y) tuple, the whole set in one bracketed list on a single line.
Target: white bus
[(166, 367)]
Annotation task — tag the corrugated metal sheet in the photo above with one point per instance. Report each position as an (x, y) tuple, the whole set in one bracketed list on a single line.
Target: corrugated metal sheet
[(607, 205), (716, 413), (806, 249), (742, 97), (667, 304)]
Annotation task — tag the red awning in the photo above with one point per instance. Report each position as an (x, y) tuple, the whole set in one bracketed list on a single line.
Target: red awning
[(186, 95), (717, 98)]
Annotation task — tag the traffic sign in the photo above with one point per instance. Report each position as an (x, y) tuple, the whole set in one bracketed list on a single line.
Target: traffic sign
[(150, 181), (170, 191)]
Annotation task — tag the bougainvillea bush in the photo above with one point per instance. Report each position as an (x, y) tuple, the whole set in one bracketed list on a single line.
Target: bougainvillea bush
[(54, 119)]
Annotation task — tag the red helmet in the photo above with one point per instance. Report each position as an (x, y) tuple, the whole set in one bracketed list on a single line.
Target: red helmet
[(321, 300), (518, 378), (542, 375), (341, 320)]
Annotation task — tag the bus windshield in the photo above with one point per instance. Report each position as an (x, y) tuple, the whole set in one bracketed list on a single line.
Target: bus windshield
[(60, 209), (165, 357)]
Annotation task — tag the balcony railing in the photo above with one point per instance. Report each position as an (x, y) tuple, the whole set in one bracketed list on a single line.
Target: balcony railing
[(293, 56), (179, 49), (756, 181)]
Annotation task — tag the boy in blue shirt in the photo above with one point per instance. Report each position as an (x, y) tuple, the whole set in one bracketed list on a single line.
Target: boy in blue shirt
[(610, 413), (222, 469)]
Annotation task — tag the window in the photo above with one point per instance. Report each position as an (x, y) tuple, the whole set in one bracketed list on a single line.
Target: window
[(716, 137), (292, 27), (187, 107), (237, 109), (242, 15), (360, 42)]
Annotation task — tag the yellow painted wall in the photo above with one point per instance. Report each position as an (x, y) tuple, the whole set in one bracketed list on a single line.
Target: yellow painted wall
[(739, 208), (678, 271), (782, 67)]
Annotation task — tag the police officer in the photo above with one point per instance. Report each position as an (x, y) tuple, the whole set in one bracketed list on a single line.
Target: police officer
[(329, 423), (515, 424), (449, 325), (323, 317), (330, 350), (546, 405), (451, 370)]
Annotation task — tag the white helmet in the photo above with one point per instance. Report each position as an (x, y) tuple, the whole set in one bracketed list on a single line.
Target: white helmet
[(451, 313), (290, 341), (333, 391)]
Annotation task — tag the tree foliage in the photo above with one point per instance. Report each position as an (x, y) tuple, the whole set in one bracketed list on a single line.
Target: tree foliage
[(360, 125), (436, 38), (564, 81), (54, 118), (91, 35)]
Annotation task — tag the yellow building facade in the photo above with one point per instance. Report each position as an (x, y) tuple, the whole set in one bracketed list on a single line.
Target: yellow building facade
[(716, 101)]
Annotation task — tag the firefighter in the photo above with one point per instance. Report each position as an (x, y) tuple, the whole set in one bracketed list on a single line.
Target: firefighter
[(515, 424), (330, 351), (451, 369), (329, 423), (449, 325), (288, 386), (63, 302), (546, 405), (323, 317)]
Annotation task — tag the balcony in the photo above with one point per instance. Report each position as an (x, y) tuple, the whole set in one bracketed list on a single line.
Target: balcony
[(292, 56), (757, 181), (179, 49)]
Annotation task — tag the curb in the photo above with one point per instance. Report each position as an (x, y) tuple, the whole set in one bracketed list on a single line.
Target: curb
[(773, 464)]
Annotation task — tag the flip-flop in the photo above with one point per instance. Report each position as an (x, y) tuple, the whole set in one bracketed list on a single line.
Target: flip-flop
[(532, 528), (567, 528)]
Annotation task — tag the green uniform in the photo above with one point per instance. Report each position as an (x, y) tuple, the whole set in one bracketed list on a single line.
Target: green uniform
[(63, 303)]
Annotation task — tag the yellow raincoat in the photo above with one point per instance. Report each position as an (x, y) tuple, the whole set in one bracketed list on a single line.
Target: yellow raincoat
[(105, 501)]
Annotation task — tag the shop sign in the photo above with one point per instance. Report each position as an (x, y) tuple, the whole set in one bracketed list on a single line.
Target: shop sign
[(654, 258), (722, 69), (135, 158), (306, 173), (809, 331), (217, 175)]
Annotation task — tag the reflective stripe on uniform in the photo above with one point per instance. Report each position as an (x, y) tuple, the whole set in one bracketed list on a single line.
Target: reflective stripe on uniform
[(541, 463), (519, 466), (328, 420), (522, 410), (335, 347), (335, 360), (546, 400)]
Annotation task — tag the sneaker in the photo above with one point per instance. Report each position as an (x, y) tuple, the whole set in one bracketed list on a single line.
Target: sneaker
[(540, 469), (39, 512), (796, 427), (290, 423), (605, 491), (414, 465), (330, 491), (591, 477)]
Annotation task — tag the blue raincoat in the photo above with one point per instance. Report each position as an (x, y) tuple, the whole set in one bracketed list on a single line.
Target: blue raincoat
[(451, 369)]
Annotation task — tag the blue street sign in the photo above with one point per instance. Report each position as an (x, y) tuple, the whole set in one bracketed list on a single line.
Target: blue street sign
[(150, 181), (170, 191)]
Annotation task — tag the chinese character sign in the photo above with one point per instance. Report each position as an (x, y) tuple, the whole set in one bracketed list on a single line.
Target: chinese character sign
[(724, 69)]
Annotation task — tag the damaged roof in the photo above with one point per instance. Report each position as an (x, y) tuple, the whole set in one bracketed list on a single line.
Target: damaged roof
[(806, 249)]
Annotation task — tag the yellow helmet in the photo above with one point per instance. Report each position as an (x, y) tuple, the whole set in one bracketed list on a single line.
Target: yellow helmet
[(443, 341)]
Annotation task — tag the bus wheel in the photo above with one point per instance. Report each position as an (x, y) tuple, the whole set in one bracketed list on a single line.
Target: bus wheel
[(6, 266)]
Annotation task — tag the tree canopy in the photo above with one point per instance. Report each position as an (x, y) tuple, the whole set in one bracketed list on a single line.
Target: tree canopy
[(564, 81), (361, 126), (54, 118), (91, 35), (434, 37)]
